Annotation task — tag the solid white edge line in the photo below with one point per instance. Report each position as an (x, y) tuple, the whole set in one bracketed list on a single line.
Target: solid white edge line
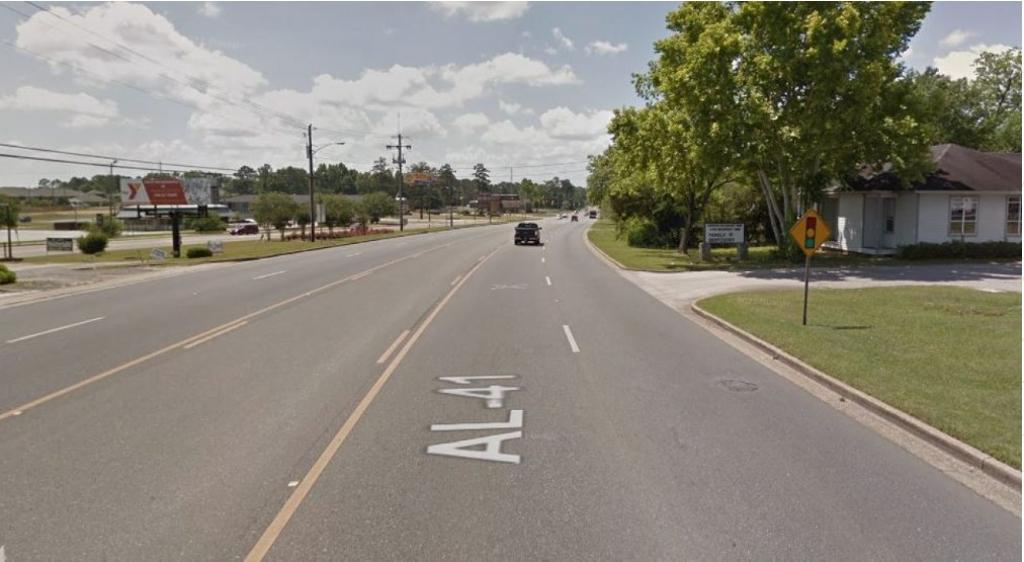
[(572, 341), (264, 276), (52, 330), (391, 348), (456, 280)]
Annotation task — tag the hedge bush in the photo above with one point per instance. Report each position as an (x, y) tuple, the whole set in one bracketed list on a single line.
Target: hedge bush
[(110, 227), (209, 223), (198, 252), (643, 233), (961, 250), (93, 243), (6, 275)]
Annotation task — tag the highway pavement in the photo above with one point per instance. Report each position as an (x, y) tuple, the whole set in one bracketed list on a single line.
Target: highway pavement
[(446, 396)]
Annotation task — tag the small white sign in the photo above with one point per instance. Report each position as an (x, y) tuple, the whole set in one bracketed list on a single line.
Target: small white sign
[(215, 246), (60, 245), (157, 254), (723, 233)]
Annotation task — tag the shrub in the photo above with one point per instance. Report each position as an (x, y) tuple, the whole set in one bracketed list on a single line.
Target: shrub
[(961, 250), (6, 275), (643, 233), (92, 243), (198, 252), (209, 223), (110, 227)]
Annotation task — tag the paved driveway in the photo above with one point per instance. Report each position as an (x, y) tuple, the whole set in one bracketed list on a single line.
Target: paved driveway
[(679, 290)]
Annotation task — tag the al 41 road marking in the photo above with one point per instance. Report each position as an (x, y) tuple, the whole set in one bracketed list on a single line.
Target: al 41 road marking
[(487, 448)]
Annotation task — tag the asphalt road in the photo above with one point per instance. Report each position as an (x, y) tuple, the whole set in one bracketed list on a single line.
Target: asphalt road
[(294, 409)]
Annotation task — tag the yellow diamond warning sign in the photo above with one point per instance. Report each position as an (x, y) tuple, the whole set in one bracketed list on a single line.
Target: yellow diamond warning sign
[(810, 232)]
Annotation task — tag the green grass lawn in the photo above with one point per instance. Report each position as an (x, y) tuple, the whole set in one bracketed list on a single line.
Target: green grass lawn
[(244, 249), (602, 234), (947, 355)]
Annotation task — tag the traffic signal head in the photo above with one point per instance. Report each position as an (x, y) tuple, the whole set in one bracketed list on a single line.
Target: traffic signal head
[(812, 225)]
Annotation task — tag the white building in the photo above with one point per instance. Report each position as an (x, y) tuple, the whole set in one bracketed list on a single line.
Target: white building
[(972, 196)]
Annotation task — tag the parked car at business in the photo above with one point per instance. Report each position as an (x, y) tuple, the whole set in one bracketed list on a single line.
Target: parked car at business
[(245, 228), (575, 218)]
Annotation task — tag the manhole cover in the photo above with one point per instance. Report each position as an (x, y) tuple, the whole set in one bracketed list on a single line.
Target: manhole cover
[(738, 386)]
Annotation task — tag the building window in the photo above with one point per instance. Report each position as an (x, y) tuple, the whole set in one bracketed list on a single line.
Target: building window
[(963, 216), (889, 212), (1013, 215)]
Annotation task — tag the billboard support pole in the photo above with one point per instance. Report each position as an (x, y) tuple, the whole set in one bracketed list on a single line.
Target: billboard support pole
[(176, 232)]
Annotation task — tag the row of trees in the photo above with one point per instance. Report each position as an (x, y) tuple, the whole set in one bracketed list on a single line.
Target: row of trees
[(381, 178), (279, 209), (337, 178), (770, 103)]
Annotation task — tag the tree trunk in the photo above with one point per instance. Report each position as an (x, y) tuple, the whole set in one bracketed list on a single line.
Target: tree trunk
[(282, 235)]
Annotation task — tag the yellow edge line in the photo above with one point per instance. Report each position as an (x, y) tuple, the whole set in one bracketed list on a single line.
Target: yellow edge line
[(269, 536), (215, 334), (18, 410)]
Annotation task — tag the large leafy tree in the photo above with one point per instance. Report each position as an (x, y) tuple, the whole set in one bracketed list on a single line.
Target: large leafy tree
[(338, 210), (687, 136), (275, 209), (378, 204), (821, 94)]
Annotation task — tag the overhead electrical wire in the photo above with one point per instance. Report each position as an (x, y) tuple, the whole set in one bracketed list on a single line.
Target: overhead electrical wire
[(82, 163), (120, 158)]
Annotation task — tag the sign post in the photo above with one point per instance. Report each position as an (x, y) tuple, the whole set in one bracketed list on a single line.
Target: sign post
[(810, 232)]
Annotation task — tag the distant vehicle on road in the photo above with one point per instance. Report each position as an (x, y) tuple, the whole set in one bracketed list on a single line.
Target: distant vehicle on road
[(246, 228), (527, 232), (593, 214), (575, 218), (562, 216)]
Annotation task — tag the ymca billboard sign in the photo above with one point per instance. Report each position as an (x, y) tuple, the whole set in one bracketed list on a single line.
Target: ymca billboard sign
[(188, 191)]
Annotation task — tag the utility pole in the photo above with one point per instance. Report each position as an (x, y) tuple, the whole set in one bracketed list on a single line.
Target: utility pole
[(312, 200), (115, 188), (400, 160)]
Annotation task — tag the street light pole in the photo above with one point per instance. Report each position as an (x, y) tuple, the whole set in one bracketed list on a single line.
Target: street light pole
[(310, 151), (312, 201)]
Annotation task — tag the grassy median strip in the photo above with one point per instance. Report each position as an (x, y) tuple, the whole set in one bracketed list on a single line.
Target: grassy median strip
[(244, 249), (949, 356)]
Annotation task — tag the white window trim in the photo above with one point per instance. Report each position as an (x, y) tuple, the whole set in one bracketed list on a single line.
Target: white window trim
[(949, 217), (1006, 223)]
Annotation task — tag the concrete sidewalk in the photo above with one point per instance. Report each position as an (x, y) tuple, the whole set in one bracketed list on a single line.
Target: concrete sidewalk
[(679, 290)]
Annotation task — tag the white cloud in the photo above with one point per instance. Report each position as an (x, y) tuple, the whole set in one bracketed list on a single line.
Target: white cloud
[(562, 39), (470, 122), (148, 33), (960, 64), (481, 11), (512, 108), (606, 48), (550, 50), (209, 9), (89, 111), (563, 123), (956, 38)]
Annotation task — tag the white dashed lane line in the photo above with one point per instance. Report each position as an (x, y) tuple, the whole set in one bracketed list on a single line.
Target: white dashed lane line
[(58, 329), (548, 279), (572, 341), (265, 275)]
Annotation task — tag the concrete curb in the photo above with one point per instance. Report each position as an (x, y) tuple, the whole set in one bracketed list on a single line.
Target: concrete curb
[(985, 463)]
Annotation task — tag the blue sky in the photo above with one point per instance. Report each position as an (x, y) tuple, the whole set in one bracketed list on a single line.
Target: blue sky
[(502, 83)]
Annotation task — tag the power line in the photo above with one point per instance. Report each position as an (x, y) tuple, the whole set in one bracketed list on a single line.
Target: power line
[(82, 163), (121, 158)]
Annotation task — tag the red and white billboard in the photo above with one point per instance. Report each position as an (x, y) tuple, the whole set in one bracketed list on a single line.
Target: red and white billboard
[(190, 191)]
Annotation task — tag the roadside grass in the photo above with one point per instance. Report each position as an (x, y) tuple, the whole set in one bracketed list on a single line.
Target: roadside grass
[(241, 250), (948, 356)]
